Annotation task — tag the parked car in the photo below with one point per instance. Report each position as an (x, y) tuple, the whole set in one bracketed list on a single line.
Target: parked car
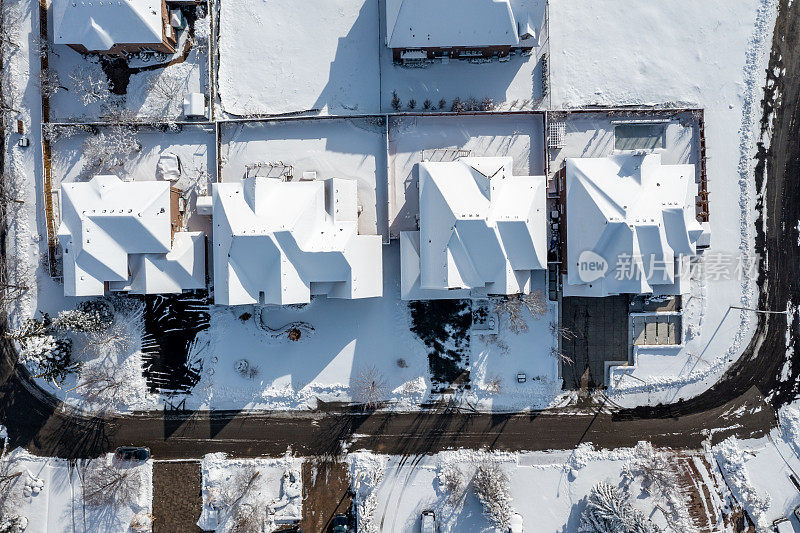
[(782, 525), (339, 524), (132, 453), (515, 526), (428, 522)]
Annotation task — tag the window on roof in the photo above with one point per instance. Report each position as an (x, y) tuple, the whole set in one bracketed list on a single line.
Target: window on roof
[(639, 136)]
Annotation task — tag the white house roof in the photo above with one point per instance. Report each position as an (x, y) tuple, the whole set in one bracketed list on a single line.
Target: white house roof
[(482, 230), (447, 23), (280, 242), (100, 24), (633, 214), (110, 229)]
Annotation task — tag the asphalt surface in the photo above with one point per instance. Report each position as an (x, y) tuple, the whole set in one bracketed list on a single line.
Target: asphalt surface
[(743, 402)]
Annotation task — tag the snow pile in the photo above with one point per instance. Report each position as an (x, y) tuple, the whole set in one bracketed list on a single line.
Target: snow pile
[(366, 474), (243, 494), (585, 453), (733, 464)]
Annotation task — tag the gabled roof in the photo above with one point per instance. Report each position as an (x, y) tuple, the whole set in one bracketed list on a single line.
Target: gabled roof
[(109, 228), (280, 242), (100, 24), (482, 229), (634, 214), (447, 23)]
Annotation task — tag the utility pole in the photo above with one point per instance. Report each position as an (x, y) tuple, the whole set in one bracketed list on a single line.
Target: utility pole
[(760, 310)]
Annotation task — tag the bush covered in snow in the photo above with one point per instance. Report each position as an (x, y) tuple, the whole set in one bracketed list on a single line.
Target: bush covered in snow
[(79, 320), (44, 349), (492, 488), (608, 510), (13, 523)]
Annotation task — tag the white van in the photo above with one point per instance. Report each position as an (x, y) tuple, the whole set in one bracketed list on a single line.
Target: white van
[(428, 524)]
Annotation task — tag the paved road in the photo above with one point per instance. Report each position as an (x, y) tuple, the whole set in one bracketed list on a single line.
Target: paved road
[(753, 384)]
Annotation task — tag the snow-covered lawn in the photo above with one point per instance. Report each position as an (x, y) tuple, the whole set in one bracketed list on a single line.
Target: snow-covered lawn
[(283, 56), (341, 148), (336, 62), (155, 93), (714, 62), (50, 493), (250, 494), (548, 489), (351, 337)]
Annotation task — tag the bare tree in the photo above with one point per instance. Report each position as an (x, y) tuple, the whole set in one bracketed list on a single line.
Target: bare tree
[(653, 467), (564, 332), (102, 386), (49, 83), (106, 484), (561, 356), (166, 86), (231, 499), (369, 388), (657, 472), (90, 86), (116, 112), (494, 384), (10, 23), (114, 340), (609, 510), (536, 303), (511, 309), (451, 477), (111, 148)]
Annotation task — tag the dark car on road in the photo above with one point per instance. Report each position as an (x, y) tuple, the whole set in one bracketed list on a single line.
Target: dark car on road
[(339, 524), (132, 453)]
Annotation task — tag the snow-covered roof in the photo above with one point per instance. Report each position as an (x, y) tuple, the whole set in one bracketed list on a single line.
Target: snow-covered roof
[(100, 24), (628, 218), (447, 23), (116, 233), (482, 230), (280, 242)]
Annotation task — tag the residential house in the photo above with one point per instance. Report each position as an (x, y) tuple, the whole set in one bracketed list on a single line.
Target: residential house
[(113, 27), (125, 236), (281, 242), (631, 225), (483, 231), (428, 29)]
